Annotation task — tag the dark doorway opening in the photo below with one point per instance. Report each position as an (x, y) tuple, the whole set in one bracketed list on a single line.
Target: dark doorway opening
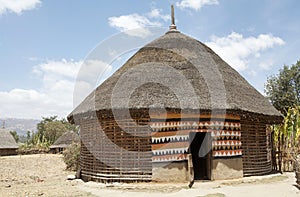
[(201, 155)]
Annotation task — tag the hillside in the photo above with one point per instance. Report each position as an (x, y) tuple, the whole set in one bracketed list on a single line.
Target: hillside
[(21, 126)]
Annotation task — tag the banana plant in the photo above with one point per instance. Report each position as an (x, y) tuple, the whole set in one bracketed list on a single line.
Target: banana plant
[(286, 136)]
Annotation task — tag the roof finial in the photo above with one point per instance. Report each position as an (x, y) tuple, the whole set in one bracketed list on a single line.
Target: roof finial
[(172, 26)]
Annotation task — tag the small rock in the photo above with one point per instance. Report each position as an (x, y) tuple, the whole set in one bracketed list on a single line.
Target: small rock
[(7, 185), (71, 177)]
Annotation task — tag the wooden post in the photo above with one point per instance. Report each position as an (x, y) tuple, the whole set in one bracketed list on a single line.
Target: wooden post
[(172, 26), (273, 148), (279, 152), (172, 13), (190, 170)]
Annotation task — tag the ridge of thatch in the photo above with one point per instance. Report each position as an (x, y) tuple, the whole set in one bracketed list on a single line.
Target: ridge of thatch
[(7, 141), (215, 84), (66, 140)]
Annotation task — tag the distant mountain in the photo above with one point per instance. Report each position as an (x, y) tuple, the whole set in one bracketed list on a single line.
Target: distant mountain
[(21, 126)]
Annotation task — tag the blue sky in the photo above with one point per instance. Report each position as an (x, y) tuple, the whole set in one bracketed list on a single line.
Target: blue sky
[(43, 43)]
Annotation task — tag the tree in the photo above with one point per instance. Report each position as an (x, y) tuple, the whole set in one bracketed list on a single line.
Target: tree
[(15, 135), (71, 127), (53, 130), (41, 125), (28, 137), (283, 90)]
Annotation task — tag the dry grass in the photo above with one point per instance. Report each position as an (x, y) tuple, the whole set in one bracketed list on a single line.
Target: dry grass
[(36, 175), (45, 175)]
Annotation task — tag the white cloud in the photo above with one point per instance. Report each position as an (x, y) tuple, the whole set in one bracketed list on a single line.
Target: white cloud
[(91, 74), (58, 69), (156, 13), (266, 65), (136, 24), (22, 103), (53, 97), (133, 24), (17, 6), (195, 4), (56, 94), (252, 73), (237, 50)]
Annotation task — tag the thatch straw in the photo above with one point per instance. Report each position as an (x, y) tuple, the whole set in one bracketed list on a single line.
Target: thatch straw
[(66, 140), (192, 59), (7, 141)]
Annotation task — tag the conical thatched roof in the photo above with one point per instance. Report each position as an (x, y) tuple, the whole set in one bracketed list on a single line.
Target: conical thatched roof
[(176, 71), (7, 140), (66, 140)]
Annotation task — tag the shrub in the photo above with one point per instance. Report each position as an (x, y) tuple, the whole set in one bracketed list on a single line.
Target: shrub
[(71, 156)]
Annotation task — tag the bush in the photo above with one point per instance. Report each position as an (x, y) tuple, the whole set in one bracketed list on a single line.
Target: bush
[(33, 146), (71, 156)]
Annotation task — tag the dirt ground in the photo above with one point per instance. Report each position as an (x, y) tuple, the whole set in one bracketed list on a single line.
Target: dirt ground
[(45, 175)]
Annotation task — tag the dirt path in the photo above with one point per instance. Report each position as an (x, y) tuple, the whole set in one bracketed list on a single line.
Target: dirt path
[(272, 185), (44, 175)]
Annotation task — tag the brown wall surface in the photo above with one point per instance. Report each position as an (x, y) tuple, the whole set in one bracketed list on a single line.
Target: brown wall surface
[(8, 151), (256, 148), (229, 168), (170, 172)]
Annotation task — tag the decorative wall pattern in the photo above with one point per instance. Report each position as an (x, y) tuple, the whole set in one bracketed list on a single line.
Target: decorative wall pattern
[(170, 137), (227, 143)]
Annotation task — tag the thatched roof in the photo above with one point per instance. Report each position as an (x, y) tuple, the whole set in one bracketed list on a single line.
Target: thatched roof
[(66, 140), (176, 71), (7, 141)]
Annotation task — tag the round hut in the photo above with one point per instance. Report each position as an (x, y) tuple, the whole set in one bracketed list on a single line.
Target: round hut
[(64, 141), (8, 145), (174, 110)]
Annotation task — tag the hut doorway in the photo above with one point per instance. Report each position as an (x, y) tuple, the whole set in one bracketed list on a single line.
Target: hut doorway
[(200, 150)]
